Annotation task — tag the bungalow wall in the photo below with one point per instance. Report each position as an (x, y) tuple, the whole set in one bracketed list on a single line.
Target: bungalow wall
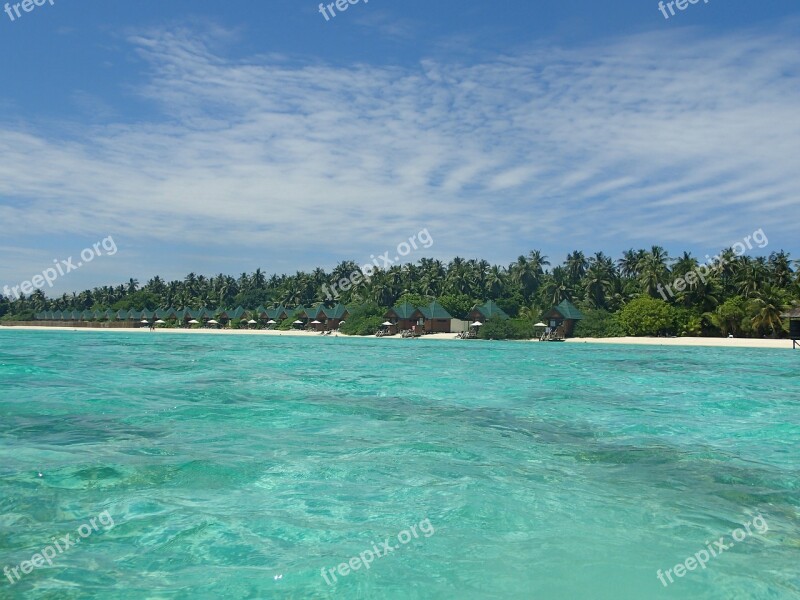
[(437, 325)]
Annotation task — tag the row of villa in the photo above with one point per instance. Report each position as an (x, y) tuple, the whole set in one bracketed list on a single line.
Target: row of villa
[(432, 318)]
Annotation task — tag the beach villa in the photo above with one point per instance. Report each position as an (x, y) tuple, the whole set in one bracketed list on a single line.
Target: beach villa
[(563, 318), (433, 318), (486, 311), (794, 326), (335, 316), (401, 317)]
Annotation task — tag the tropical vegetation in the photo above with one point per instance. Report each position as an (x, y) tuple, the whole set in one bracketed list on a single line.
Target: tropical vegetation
[(744, 297)]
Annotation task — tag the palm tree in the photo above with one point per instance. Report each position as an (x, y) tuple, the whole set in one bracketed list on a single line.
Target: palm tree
[(495, 282), (629, 263), (598, 281), (780, 269), (653, 270), (768, 310), (555, 286), (576, 265)]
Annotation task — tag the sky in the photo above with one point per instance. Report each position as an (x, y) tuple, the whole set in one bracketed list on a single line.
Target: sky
[(214, 137)]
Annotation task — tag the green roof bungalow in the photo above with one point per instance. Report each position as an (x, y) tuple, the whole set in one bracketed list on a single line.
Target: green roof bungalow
[(279, 313), (315, 313), (335, 316), (794, 326), (166, 313), (110, 315), (489, 310), (147, 314), (562, 318), (298, 312), (401, 316), (225, 316), (434, 318), (87, 315)]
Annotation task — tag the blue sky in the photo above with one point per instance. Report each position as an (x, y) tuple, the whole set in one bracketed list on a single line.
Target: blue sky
[(221, 137)]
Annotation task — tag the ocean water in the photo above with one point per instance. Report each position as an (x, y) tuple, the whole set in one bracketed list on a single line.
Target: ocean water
[(245, 466)]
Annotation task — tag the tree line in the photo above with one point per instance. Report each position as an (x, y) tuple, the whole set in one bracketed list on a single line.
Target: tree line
[(742, 295)]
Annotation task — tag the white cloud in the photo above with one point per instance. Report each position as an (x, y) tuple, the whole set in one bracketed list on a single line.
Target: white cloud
[(623, 141)]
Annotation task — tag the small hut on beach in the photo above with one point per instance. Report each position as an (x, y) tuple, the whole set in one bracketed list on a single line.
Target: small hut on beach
[(794, 326), (563, 318), (486, 311), (401, 317), (434, 317), (334, 316)]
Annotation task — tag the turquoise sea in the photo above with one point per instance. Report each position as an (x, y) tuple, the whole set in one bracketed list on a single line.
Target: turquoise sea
[(242, 466)]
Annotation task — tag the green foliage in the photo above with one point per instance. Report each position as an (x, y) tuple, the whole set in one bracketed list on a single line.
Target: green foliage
[(511, 304), (506, 329), (647, 316), (688, 322), (458, 305), (730, 317), (415, 299), (745, 298), (26, 315), (598, 323), (286, 324), (137, 301), (364, 320)]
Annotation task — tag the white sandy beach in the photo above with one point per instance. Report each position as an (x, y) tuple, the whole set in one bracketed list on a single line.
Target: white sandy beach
[(650, 341)]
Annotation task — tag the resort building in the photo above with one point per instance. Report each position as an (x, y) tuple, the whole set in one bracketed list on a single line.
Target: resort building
[(433, 318), (487, 311), (563, 318), (401, 317), (794, 326), (335, 316)]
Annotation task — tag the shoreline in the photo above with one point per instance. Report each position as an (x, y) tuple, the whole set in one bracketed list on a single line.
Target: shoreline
[(633, 341)]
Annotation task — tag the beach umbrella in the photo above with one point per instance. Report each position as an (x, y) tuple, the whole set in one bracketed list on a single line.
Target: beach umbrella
[(192, 322), (384, 324), (476, 324), (213, 322), (315, 322), (540, 324), (298, 322), (341, 322), (271, 322), (252, 322), (145, 322), (160, 322)]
